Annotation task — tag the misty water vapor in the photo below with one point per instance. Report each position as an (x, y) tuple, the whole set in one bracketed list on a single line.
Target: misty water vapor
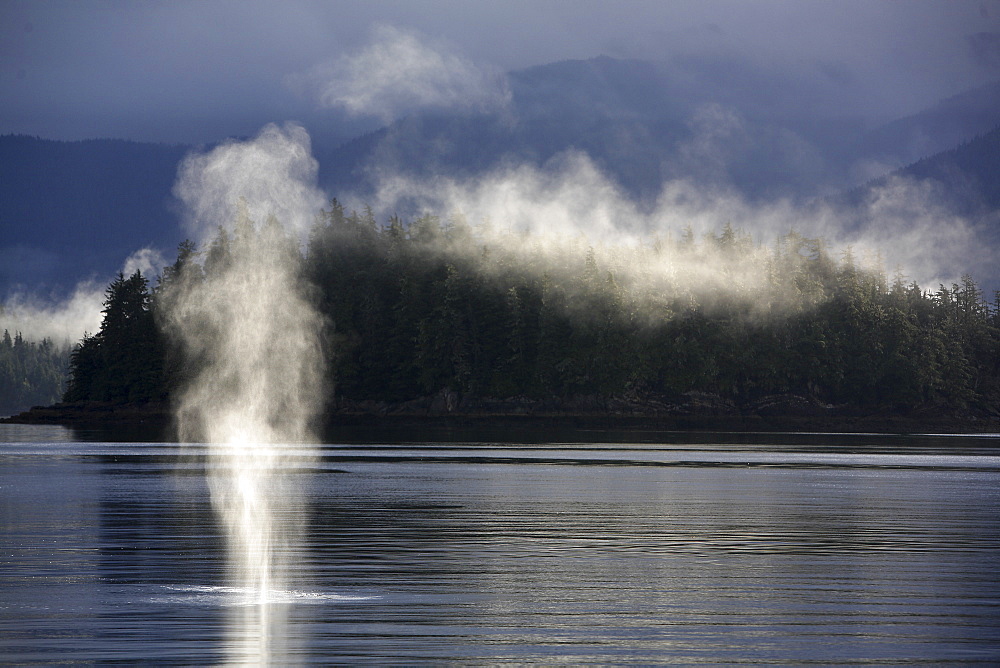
[(571, 202), (66, 321), (903, 222), (251, 339)]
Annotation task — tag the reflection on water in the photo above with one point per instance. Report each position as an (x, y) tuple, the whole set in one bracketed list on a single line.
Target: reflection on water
[(254, 633), (684, 552)]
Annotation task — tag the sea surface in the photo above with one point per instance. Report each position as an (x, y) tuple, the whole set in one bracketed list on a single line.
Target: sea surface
[(602, 548)]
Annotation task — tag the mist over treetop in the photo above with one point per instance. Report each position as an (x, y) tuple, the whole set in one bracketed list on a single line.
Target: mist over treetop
[(441, 308), (61, 198), (570, 198), (441, 305), (548, 163)]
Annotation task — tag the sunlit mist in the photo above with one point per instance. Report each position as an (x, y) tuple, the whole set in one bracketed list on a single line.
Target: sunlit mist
[(250, 339)]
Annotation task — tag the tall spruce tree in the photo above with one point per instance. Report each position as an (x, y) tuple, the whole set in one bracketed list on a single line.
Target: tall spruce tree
[(123, 362)]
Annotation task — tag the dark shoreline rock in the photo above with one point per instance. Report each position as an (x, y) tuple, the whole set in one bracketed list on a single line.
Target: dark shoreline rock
[(690, 412), (86, 413)]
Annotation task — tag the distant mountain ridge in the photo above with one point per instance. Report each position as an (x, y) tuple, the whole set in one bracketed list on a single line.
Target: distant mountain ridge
[(74, 210), (970, 172), (965, 181), (637, 120), (644, 122), (938, 128)]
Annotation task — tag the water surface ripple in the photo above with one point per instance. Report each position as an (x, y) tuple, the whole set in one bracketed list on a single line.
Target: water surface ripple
[(608, 553)]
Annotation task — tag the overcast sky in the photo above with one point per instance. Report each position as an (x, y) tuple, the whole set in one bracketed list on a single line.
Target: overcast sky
[(187, 71)]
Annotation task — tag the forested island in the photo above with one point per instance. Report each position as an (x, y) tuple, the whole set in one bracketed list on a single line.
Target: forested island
[(443, 318)]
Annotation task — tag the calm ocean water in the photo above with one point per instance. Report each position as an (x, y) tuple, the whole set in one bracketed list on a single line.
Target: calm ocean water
[(682, 548)]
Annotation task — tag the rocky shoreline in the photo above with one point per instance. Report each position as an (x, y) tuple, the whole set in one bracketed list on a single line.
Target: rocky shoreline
[(690, 412)]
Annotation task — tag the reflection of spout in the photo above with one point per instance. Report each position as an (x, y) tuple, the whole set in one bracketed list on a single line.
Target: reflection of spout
[(257, 634), (260, 511), (242, 493)]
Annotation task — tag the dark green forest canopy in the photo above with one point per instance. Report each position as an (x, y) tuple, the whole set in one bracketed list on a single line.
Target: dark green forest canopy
[(441, 306), (123, 362), (32, 373)]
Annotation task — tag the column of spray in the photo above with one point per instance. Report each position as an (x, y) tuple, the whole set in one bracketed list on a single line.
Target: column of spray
[(250, 343)]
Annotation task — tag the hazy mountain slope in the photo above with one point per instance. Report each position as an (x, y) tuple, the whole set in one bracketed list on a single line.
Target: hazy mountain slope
[(970, 172), (963, 182), (937, 128), (965, 178), (69, 210), (715, 121)]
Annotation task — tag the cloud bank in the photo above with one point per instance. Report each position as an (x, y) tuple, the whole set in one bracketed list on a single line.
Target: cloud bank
[(65, 322), (399, 72), (570, 201)]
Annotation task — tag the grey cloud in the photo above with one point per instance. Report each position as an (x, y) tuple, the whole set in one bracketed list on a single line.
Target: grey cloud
[(181, 71), (399, 72), (67, 320)]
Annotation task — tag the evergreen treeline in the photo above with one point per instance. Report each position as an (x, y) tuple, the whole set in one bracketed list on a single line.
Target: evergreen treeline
[(436, 306), (31, 373), (441, 306), (123, 362)]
